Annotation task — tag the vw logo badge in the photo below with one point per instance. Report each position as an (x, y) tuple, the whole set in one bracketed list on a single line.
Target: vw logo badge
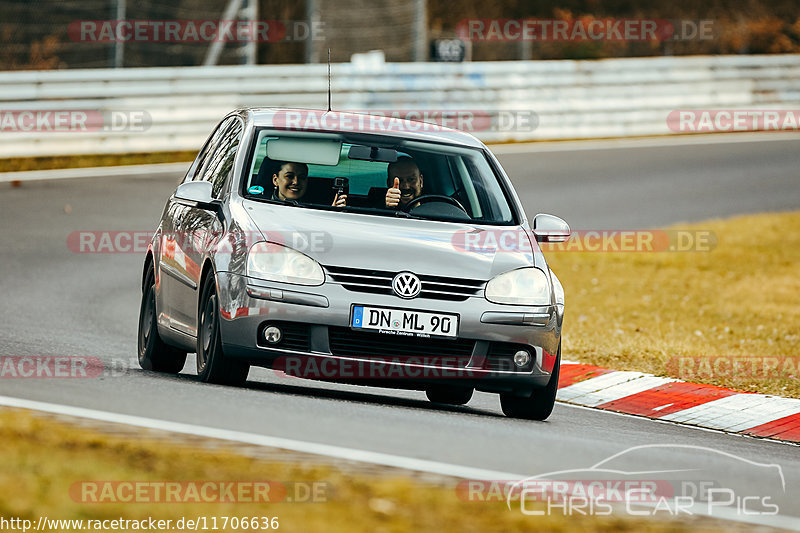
[(406, 285)]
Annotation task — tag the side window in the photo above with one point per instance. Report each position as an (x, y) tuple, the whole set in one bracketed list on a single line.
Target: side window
[(222, 153), (202, 158)]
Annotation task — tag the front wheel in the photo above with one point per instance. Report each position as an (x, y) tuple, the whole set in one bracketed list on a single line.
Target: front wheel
[(537, 406), (212, 365), (154, 353)]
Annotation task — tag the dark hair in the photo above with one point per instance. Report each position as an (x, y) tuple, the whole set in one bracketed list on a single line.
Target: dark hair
[(400, 160), (279, 165)]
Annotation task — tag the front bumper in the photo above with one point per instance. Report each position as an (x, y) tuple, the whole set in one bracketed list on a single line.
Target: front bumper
[(248, 304)]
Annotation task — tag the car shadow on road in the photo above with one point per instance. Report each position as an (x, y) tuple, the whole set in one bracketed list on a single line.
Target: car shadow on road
[(367, 396)]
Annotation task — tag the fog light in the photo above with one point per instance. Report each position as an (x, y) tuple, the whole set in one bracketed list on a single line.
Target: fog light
[(272, 334), (522, 358)]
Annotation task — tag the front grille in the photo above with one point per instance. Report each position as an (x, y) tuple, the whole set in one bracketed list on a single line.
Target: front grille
[(296, 336), (501, 357), (455, 353), (380, 282)]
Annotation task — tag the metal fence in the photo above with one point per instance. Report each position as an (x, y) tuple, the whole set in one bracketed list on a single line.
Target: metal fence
[(570, 99)]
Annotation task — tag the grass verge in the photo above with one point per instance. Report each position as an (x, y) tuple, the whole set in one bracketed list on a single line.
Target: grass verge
[(43, 459), (19, 164), (728, 316)]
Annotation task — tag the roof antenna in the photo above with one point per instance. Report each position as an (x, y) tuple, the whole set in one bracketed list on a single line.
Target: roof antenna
[(329, 79)]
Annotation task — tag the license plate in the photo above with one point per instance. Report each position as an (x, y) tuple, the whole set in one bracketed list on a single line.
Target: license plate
[(404, 322)]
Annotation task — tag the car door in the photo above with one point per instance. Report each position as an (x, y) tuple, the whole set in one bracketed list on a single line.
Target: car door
[(171, 260), (199, 229)]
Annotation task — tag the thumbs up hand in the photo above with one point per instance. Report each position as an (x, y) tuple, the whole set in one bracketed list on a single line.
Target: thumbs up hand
[(393, 194)]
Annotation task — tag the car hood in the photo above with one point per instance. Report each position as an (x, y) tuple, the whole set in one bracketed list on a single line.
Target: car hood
[(396, 244)]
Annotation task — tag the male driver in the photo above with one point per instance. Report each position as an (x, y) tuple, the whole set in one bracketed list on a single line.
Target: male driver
[(404, 181), (291, 183)]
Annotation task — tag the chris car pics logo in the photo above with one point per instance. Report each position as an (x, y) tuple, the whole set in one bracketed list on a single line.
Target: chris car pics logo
[(654, 480)]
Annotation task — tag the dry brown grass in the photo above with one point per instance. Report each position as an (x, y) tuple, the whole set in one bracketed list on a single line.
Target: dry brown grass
[(638, 311), (17, 164), (42, 458)]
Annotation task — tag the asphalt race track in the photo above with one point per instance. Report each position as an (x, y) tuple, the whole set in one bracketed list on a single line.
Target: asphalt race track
[(58, 302), (653, 186)]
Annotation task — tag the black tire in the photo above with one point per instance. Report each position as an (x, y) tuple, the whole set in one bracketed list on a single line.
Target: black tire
[(212, 365), (450, 395), (540, 404), (154, 353)]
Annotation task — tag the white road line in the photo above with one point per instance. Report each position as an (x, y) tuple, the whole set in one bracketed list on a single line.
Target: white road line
[(339, 452), (95, 172), (350, 454)]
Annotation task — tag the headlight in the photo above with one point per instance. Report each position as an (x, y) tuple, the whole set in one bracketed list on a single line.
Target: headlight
[(274, 262), (524, 286)]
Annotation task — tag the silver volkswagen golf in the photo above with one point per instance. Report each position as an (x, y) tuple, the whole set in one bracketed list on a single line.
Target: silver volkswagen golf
[(358, 249)]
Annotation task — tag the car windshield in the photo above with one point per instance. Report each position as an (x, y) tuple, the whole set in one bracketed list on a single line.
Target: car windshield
[(436, 181)]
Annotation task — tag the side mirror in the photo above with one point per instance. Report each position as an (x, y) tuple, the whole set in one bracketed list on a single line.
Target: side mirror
[(197, 192), (549, 228)]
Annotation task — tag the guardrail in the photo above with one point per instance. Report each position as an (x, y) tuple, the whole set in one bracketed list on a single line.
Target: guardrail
[(572, 99)]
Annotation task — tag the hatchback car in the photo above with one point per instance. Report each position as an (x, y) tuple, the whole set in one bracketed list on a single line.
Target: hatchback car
[(359, 249)]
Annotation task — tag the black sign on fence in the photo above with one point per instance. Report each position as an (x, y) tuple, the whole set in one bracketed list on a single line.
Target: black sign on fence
[(452, 50)]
